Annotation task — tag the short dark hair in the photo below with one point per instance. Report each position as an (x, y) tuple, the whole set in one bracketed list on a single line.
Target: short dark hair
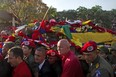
[(9, 44), (41, 49), (17, 51)]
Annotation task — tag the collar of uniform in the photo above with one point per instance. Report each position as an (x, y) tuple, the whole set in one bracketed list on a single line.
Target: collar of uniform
[(30, 58), (96, 60)]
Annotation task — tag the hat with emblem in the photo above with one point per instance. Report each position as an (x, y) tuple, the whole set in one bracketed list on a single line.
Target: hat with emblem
[(29, 43), (52, 53), (89, 46)]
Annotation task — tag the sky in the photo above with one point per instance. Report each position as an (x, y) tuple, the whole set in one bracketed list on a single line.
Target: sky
[(61, 5)]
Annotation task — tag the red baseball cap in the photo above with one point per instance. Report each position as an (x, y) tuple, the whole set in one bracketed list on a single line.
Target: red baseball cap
[(89, 46)]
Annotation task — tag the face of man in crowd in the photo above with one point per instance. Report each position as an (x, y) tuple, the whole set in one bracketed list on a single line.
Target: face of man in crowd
[(12, 60), (52, 59), (4, 49), (62, 48), (26, 50), (89, 57), (39, 57)]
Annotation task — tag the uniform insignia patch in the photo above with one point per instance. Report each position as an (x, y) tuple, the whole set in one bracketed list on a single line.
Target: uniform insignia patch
[(97, 73), (90, 48)]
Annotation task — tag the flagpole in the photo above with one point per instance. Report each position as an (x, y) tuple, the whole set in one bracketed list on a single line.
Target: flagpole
[(46, 13), (44, 17)]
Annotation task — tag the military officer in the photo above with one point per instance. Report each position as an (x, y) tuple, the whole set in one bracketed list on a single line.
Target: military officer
[(99, 67)]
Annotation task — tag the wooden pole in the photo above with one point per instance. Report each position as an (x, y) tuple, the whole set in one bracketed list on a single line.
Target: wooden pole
[(13, 21), (46, 13)]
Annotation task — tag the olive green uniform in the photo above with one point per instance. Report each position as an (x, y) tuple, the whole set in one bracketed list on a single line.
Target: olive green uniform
[(100, 68)]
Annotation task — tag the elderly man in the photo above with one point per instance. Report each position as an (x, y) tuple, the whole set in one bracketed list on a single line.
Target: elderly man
[(99, 67), (70, 63)]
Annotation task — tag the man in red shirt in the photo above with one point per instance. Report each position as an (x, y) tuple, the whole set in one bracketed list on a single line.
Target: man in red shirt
[(70, 63), (15, 58)]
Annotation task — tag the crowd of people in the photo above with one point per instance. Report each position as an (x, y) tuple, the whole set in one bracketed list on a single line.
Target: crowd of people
[(23, 61), (27, 55)]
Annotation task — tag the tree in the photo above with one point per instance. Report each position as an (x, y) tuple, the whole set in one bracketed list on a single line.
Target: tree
[(95, 13), (52, 13), (82, 13), (25, 10), (69, 14)]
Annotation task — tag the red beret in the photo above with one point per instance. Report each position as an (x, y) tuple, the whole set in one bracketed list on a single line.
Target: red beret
[(89, 46), (29, 43), (52, 53)]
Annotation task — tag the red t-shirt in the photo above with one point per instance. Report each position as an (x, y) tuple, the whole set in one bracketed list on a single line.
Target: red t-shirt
[(22, 70), (71, 66)]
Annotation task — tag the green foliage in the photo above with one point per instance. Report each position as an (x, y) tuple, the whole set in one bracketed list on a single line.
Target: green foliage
[(96, 14), (70, 14), (52, 12), (28, 10), (25, 10)]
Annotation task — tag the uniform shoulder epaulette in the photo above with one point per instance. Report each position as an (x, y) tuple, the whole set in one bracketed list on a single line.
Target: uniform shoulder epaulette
[(97, 65)]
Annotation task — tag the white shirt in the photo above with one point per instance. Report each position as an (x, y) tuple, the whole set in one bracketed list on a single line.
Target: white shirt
[(40, 66)]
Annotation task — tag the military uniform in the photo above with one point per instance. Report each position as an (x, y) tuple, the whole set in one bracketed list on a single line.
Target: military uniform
[(100, 68)]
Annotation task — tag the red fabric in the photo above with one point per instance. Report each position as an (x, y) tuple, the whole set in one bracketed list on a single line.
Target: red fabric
[(52, 43), (78, 48), (10, 38), (1, 57), (1, 44), (35, 21), (20, 33), (4, 36), (71, 66), (52, 53), (110, 31), (29, 43), (36, 35), (99, 29), (13, 28), (47, 28), (42, 24), (22, 70)]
